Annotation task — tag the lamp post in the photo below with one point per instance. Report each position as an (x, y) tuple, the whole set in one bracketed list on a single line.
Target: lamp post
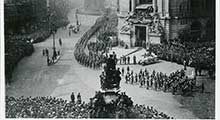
[(52, 30), (54, 47)]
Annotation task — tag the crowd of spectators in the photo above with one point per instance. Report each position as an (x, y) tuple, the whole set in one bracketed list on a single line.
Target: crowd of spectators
[(148, 112), (176, 82), (52, 107), (122, 107), (198, 55), (44, 107)]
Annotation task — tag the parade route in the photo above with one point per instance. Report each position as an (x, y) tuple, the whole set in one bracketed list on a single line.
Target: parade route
[(33, 77)]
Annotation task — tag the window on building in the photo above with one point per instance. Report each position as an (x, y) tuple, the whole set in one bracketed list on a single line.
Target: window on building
[(180, 10), (146, 1), (188, 6), (183, 21)]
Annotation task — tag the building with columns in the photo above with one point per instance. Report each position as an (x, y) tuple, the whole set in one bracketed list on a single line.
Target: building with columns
[(152, 21)]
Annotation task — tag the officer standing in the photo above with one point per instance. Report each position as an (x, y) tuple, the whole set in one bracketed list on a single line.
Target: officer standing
[(60, 42), (43, 52), (132, 78), (128, 60), (134, 59), (128, 69), (123, 71), (47, 52)]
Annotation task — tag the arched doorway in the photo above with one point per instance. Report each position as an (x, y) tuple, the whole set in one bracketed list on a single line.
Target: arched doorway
[(196, 29), (140, 33)]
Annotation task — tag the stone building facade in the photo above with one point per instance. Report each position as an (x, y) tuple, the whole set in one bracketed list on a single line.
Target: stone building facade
[(172, 16)]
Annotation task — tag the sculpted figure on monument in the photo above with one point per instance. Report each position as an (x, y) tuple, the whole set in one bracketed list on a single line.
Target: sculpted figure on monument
[(112, 78)]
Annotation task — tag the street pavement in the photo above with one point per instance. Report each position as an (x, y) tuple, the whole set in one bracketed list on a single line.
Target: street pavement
[(33, 77)]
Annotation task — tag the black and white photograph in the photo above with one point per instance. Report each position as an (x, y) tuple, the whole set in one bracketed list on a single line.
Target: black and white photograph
[(109, 59)]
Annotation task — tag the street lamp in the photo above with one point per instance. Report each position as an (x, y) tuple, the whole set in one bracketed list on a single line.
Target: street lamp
[(52, 29), (54, 47)]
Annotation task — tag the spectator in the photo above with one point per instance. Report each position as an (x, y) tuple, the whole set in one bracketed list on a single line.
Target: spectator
[(72, 98)]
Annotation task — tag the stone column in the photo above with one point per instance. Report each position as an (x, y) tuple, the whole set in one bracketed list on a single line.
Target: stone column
[(132, 35), (155, 6), (133, 5), (118, 6), (163, 6), (166, 24), (130, 5), (48, 3), (147, 37)]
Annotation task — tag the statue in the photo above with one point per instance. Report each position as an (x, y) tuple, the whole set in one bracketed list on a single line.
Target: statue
[(156, 26), (112, 78), (109, 102)]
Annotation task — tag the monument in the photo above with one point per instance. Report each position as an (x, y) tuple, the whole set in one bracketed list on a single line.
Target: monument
[(109, 102)]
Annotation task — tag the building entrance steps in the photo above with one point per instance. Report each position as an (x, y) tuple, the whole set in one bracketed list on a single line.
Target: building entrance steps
[(124, 52), (137, 51)]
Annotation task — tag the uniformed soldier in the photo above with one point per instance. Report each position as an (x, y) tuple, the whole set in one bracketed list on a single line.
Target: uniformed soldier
[(128, 60), (118, 78), (48, 61), (147, 84), (122, 70), (43, 52), (145, 71), (128, 69), (156, 84), (47, 52), (126, 78), (114, 56), (140, 75), (151, 81), (140, 81), (202, 88), (144, 80), (134, 59), (60, 42), (165, 86), (136, 78), (132, 78)]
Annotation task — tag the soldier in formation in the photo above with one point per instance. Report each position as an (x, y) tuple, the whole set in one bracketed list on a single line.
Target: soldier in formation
[(127, 60), (176, 81)]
